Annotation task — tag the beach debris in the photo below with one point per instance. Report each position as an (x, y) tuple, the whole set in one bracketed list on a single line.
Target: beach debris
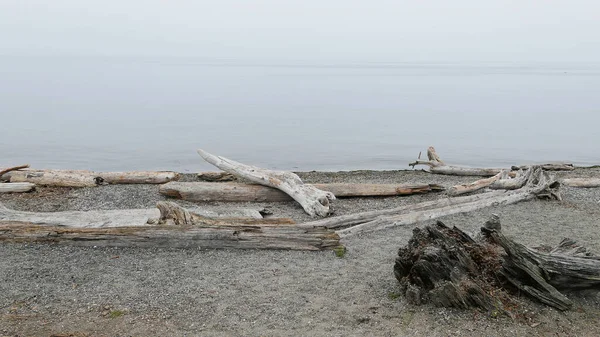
[(16, 187), (127, 217), (446, 267), (14, 168), (207, 191), (216, 176), (436, 165), (85, 178), (313, 200), (539, 185), (175, 227), (581, 182)]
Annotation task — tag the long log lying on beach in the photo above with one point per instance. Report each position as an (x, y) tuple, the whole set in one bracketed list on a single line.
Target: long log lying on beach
[(313, 200), (125, 217), (581, 182), (16, 187), (446, 267), (288, 237), (84, 178), (177, 227), (205, 191)]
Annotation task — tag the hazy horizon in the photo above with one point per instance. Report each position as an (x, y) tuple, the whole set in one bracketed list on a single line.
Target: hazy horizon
[(335, 30)]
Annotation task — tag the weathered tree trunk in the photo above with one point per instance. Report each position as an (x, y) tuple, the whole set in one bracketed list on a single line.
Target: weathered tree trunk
[(436, 165), (287, 237), (447, 267), (313, 200), (205, 191), (540, 185), (174, 227), (216, 176), (83, 178), (582, 182), (125, 217), (474, 186), (16, 187)]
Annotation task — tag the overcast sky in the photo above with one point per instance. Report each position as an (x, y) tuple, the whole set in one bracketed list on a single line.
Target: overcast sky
[(324, 30)]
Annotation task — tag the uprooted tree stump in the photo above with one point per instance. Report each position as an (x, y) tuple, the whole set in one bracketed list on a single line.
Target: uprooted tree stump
[(446, 267)]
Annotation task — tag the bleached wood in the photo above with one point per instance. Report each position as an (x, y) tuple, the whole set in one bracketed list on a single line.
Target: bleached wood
[(16, 187), (313, 200), (582, 182), (138, 177), (85, 178), (205, 191), (474, 186), (507, 183), (437, 166), (118, 218), (547, 167), (540, 185), (363, 217)]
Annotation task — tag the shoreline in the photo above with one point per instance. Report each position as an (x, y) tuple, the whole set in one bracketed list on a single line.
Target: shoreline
[(49, 289)]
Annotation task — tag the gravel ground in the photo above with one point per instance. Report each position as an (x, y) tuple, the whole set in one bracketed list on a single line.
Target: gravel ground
[(50, 289)]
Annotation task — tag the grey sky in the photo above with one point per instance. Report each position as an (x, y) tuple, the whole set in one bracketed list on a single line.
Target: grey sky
[(336, 30)]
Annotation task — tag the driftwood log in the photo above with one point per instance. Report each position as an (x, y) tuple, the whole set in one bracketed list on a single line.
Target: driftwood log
[(84, 178), (177, 227), (581, 182), (126, 217), (206, 191), (540, 185), (547, 167), (436, 165), (16, 187), (313, 200), (447, 267)]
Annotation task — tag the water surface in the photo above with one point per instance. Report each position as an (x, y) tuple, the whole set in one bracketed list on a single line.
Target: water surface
[(136, 113)]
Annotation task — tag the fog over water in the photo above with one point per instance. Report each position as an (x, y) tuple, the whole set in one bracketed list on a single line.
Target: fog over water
[(335, 85)]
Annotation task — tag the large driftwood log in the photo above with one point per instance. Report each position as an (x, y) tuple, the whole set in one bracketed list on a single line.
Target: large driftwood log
[(287, 237), (436, 165), (581, 182), (205, 191), (447, 267), (84, 178), (16, 187), (313, 200), (125, 217), (540, 185), (176, 227)]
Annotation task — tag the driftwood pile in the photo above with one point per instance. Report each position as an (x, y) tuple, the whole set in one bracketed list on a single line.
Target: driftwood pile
[(241, 182)]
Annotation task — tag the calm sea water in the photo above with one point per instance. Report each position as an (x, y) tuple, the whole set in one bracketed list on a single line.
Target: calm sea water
[(130, 114)]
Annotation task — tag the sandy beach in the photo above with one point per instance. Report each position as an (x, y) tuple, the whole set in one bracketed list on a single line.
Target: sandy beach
[(85, 291)]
